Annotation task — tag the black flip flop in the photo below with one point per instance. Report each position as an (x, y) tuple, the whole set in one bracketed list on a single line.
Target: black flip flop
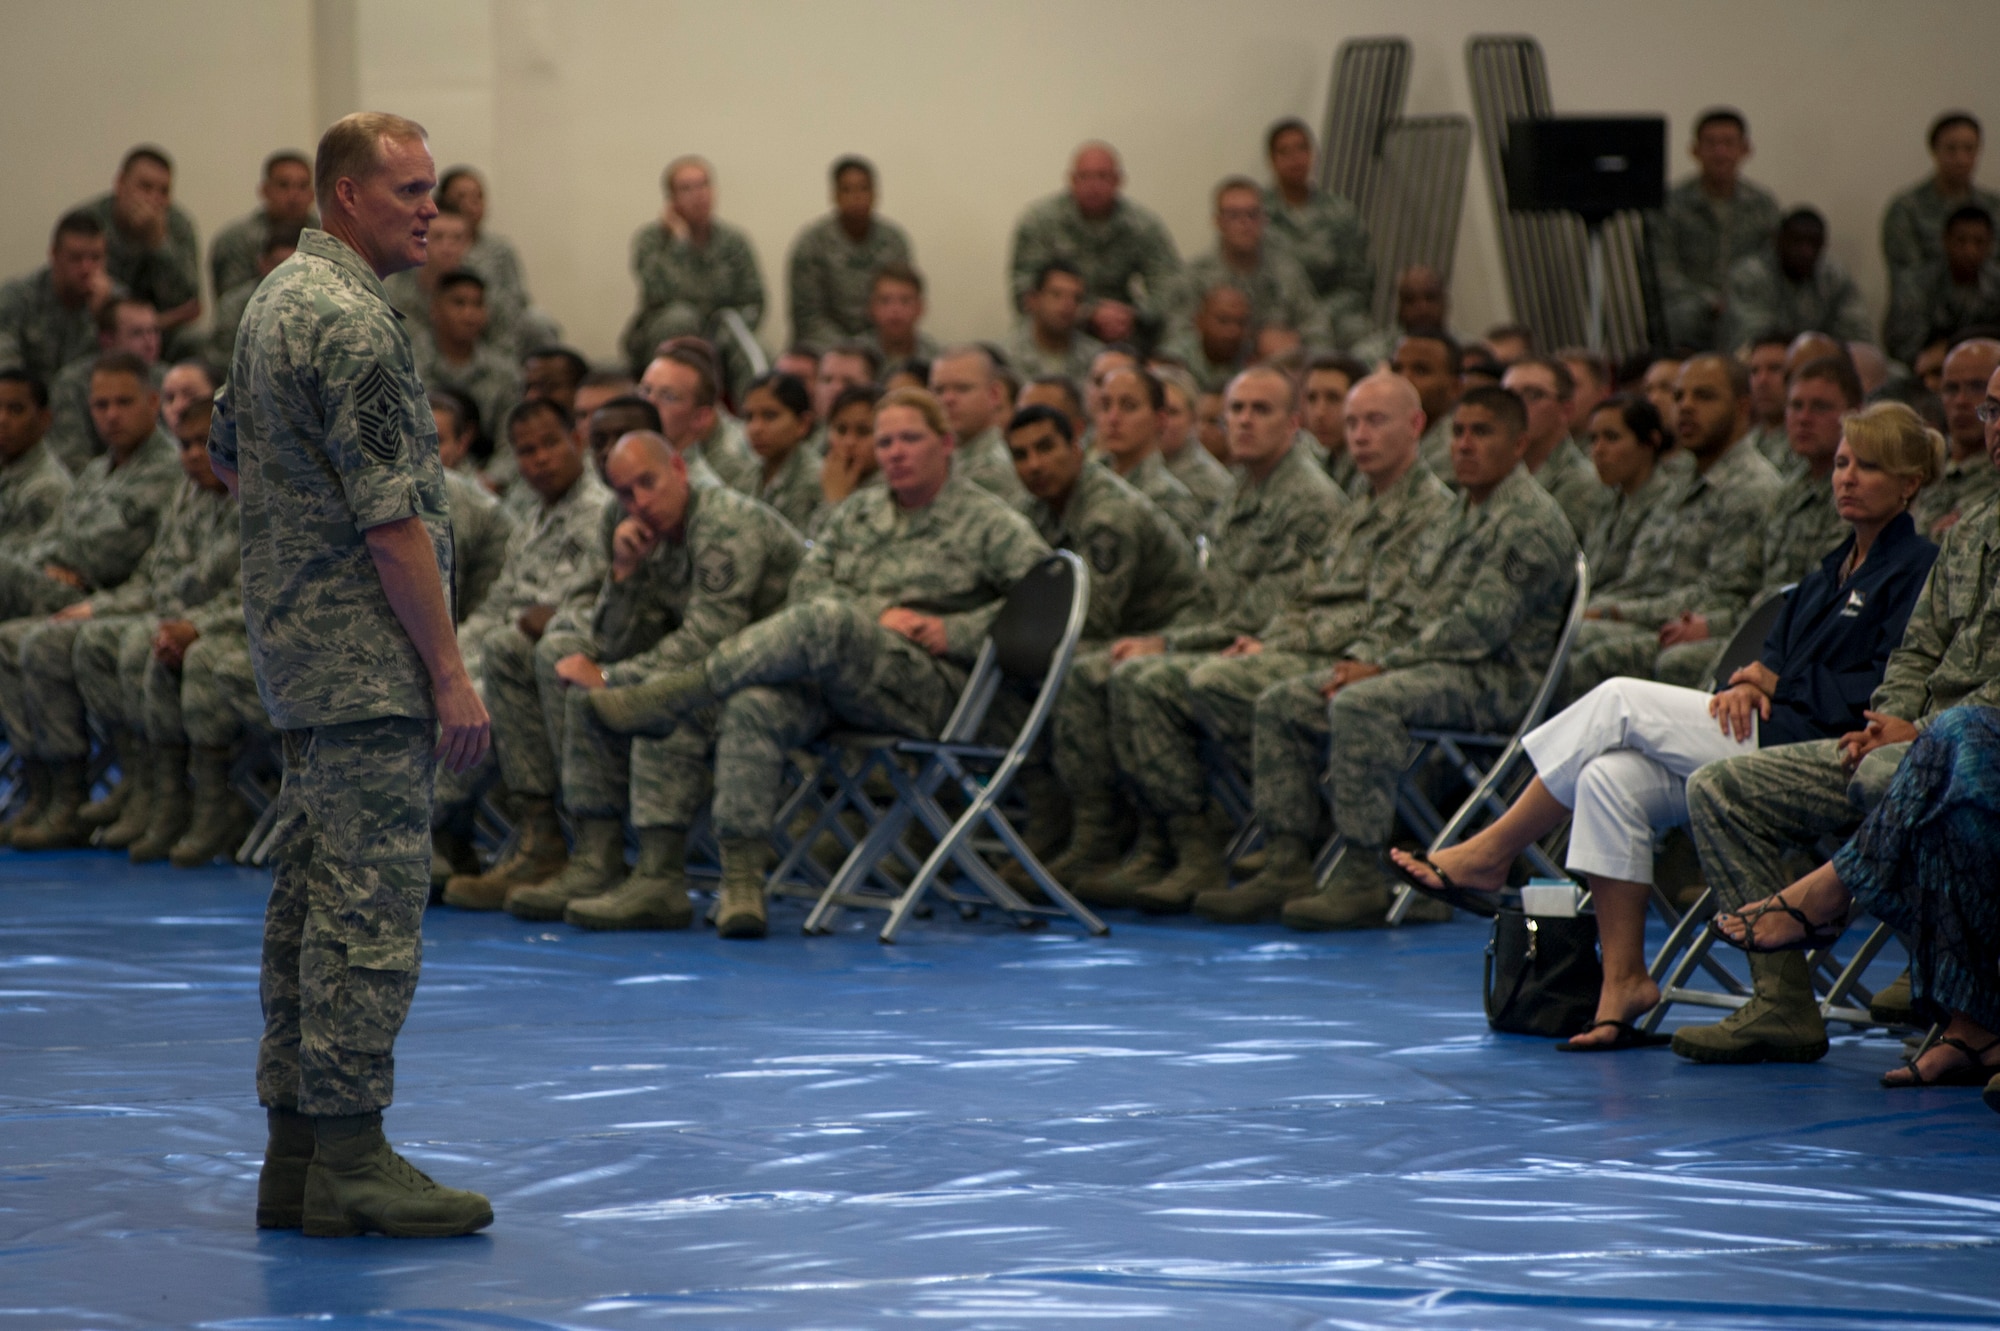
[(1486, 905), (1629, 1037)]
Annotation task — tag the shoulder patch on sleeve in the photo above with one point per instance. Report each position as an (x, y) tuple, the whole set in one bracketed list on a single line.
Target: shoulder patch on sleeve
[(1517, 567), (715, 571), (377, 427), (1107, 549)]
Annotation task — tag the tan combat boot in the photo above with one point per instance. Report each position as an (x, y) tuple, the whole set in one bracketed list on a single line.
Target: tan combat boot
[(36, 782), (1198, 840), (597, 866), (170, 806), (1780, 1023), (739, 912), (1286, 876), (1150, 859), (1092, 857), (1356, 896), (136, 815), (132, 775), (539, 854), (654, 896), (221, 819), (357, 1184), (58, 827)]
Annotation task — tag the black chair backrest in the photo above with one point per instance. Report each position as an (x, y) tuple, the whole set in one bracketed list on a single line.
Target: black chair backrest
[(1747, 643), (1030, 625)]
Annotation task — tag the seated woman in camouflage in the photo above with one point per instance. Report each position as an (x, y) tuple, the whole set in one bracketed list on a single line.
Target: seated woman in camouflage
[(1615, 764)]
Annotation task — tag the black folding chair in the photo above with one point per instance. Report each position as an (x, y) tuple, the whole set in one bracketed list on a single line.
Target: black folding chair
[(1030, 644)]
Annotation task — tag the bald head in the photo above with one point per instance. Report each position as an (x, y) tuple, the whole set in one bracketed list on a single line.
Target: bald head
[(1962, 387), (1384, 419), (1814, 346), (642, 446), (1095, 178), (650, 480)]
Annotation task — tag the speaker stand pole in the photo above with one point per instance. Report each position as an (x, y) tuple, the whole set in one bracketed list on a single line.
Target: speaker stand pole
[(1594, 333)]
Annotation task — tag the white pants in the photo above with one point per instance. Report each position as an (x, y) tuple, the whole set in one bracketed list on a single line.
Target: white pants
[(1619, 758)]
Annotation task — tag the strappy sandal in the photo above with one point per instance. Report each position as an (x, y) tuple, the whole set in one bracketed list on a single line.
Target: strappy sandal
[(1973, 1072), (1817, 934), (1486, 905)]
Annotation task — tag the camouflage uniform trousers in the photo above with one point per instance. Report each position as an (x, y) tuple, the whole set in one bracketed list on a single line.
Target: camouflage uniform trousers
[(122, 685), (343, 934), (1081, 749), (38, 688), (518, 681), (1362, 741), (658, 782), (787, 678), (219, 702), (1161, 706), (1756, 819)]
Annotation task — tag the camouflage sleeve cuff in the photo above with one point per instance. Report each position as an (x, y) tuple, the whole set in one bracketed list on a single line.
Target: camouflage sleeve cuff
[(380, 495)]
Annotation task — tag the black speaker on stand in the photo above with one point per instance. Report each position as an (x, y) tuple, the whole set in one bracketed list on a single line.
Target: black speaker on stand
[(1593, 166)]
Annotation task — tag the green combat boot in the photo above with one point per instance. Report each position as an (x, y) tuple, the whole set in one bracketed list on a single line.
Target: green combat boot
[(1286, 876), (655, 707), (170, 806), (597, 865), (1892, 1005), (133, 773), (58, 827), (1149, 860), (1356, 896), (357, 1184), (140, 787), (36, 781), (1198, 866), (1047, 828), (539, 854), (1780, 1023), (739, 911), (655, 896), (452, 854), (1091, 859), (221, 818), (281, 1183)]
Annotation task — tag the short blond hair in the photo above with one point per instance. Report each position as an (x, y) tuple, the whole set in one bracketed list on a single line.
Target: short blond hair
[(1893, 437), (920, 401), (352, 147)]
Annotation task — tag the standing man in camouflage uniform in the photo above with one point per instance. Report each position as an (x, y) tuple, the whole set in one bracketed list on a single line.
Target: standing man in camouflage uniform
[(93, 543), (1711, 220), (884, 619), (689, 568), (49, 317), (1326, 235), (346, 560), (1131, 271), (1266, 545), (690, 268), (285, 203), (834, 260), (1462, 645)]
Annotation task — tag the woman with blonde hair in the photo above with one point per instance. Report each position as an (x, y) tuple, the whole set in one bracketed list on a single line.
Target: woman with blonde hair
[(1617, 761)]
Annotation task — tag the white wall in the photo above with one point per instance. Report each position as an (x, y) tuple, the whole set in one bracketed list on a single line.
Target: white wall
[(969, 107)]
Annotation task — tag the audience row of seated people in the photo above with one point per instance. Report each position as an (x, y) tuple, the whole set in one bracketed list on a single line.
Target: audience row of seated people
[(661, 598)]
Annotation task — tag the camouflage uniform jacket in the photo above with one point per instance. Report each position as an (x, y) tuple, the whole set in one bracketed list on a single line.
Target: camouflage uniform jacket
[(1964, 483), (726, 449), (164, 277), (1371, 549), (1913, 225), (557, 554), (490, 379), (1491, 584), (32, 488), (494, 259), (228, 317), (1609, 544), (481, 529), (192, 570), (1206, 479), (1211, 376), (1127, 255), (1330, 240), (1694, 241), (1926, 303), (1801, 528), (1700, 547), (72, 435), (1762, 298), (720, 275), (40, 334), (1152, 479), (108, 518), (1142, 569), (1774, 446), (1280, 293), (794, 490), (927, 348), (985, 461), (1031, 360), (1266, 547), (1572, 481), (956, 558), (830, 275), (326, 423), (233, 253), (733, 565), (1950, 654), (1434, 450)]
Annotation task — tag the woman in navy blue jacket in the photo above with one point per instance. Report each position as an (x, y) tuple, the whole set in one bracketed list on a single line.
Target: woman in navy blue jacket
[(1616, 763)]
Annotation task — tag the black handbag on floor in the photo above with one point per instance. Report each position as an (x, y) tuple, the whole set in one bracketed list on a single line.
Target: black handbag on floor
[(1542, 974)]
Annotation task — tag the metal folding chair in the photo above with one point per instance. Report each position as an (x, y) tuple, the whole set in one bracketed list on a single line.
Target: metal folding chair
[(1487, 763), (1031, 643)]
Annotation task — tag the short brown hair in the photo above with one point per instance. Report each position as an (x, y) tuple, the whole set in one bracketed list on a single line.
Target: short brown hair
[(920, 401), (1895, 438), (352, 147)]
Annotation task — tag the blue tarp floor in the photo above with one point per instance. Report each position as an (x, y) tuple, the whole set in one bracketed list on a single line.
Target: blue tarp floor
[(1175, 1126)]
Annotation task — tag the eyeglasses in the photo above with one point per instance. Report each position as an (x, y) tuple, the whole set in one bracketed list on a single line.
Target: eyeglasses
[(1988, 412)]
